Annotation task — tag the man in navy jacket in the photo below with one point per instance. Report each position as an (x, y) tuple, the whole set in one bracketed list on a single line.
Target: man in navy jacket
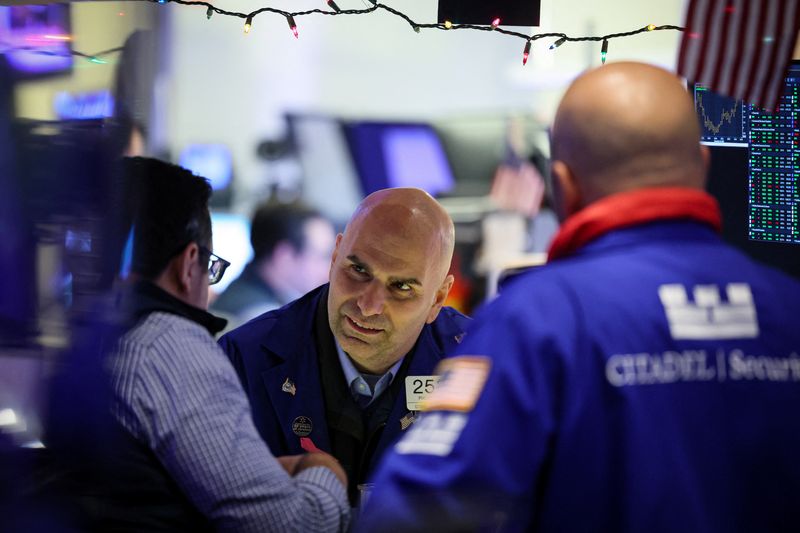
[(646, 379), (331, 370)]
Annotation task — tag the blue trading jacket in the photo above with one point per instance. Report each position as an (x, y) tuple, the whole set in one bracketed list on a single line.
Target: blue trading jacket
[(651, 382), (280, 345)]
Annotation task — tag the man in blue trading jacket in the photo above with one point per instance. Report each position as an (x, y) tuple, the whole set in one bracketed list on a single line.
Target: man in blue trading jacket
[(332, 369), (647, 379)]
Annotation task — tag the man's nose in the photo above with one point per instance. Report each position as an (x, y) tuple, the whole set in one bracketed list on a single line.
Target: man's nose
[(372, 300)]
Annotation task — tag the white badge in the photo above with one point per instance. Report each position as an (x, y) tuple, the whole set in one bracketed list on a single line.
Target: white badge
[(417, 389)]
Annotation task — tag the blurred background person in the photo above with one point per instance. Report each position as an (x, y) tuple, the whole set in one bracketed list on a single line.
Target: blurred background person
[(292, 246)]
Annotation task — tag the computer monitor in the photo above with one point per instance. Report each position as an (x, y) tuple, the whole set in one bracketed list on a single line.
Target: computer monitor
[(723, 121), (774, 167), (772, 156), (231, 234), (399, 155), (215, 163), (36, 39), (330, 180), (211, 161)]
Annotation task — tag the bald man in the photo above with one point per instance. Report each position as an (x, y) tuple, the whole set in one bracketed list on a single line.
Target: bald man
[(343, 368), (646, 379)]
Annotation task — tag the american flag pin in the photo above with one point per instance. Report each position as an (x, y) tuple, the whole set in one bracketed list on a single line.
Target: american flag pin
[(407, 420), (288, 386)]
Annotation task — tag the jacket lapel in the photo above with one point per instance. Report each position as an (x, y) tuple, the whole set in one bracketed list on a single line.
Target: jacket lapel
[(293, 385)]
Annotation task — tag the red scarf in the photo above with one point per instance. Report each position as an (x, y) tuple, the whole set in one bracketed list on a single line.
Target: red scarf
[(633, 208)]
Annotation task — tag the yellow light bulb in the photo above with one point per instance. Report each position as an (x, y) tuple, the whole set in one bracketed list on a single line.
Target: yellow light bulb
[(448, 24)]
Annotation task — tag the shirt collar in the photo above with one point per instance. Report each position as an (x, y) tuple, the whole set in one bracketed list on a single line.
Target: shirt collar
[(148, 297), (356, 383), (633, 208)]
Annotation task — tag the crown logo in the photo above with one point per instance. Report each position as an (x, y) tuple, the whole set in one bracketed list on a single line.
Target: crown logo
[(707, 315)]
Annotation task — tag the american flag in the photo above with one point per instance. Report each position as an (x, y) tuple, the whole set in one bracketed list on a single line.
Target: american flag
[(740, 48)]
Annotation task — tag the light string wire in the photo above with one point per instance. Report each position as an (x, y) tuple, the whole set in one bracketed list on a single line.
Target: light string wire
[(335, 11), (493, 26)]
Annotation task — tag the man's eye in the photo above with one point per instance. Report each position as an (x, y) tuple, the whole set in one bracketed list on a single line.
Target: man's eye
[(402, 287), (358, 269)]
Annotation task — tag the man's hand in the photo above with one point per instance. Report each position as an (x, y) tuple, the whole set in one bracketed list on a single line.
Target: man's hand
[(289, 462), (294, 464)]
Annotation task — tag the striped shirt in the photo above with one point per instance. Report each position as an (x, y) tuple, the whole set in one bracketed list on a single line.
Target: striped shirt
[(176, 391)]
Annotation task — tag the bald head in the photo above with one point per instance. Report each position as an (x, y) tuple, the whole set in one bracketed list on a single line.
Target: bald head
[(409, 217), (625, 126)]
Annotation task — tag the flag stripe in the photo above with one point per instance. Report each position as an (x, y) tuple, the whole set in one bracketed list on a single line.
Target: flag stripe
[(687, 60), (739, 48), (729, 20), (767, 56), (776, 32), (726, 76), (750, 59), (708, 40), (785, 48)]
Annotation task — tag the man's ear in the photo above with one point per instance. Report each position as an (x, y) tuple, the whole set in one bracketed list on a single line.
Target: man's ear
[(441, 297), (705, 154), (335, 253), (567, 194), (184, 263)]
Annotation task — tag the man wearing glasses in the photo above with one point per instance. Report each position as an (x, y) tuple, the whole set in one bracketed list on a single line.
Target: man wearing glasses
[(192, 458)]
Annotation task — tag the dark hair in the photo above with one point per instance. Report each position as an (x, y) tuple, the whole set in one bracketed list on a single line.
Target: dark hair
[(273, 223), (170, 210)]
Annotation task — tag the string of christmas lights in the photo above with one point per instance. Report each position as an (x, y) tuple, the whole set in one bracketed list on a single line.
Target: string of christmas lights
[(493, 25)]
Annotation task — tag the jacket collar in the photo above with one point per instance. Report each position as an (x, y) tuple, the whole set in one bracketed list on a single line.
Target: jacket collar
[(634, 208), (148, 298)]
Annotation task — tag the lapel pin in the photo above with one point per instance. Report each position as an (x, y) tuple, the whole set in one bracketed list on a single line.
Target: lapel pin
[(458, 338), (407, 420), (288, 386), (301, 426)]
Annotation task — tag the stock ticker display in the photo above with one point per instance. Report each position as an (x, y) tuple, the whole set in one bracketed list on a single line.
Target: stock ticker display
[(773, 147), (723, 120)]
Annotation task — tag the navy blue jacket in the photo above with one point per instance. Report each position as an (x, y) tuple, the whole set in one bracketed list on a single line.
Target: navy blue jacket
[(650, 382), (280, 345)]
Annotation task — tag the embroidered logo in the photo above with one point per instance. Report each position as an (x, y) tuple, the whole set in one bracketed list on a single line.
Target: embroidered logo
[(708, 316), (434, 434)]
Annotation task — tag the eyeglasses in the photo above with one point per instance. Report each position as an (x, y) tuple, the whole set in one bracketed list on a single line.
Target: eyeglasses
[(216, 266)]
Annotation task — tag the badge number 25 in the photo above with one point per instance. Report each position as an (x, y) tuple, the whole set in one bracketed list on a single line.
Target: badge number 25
[(417, 389)]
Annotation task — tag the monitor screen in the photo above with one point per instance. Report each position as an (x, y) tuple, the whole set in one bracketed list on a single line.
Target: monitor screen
[(774, 167), (211, 161), (330, 182), (36, 39), (723, 120), (399, 155), (231, 235)]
